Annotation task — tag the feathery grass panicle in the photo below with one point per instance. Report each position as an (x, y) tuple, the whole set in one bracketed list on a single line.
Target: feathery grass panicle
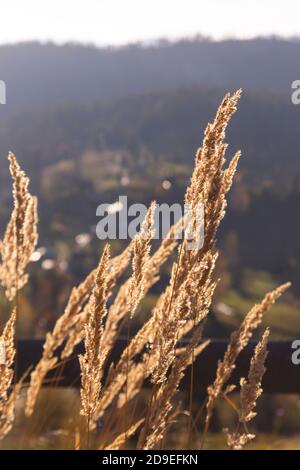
[(72, 320), (120, 307), (75, 332), (209, 182), (141, 370), (211, 154), (120, 440), (20, 237), (250, 392), (237, 441), (170, 320), (190, 291), (92, 361), (7, 401), (118, 311), (186, 301), (141, 258), (251, 389), (191, 287), (8, 408), (8, 355), (54, 339), (125, 370), (238, 341), (135, 374)]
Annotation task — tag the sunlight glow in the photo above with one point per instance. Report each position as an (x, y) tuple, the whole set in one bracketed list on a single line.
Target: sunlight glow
[(118, 22)]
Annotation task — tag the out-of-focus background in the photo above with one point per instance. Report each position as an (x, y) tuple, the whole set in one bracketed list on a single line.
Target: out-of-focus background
[(111, 98)]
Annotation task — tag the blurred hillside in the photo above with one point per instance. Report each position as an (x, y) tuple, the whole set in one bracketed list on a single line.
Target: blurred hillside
[(43, 75)]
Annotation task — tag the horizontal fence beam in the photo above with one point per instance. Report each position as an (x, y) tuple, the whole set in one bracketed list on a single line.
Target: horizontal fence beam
[(282, 376)]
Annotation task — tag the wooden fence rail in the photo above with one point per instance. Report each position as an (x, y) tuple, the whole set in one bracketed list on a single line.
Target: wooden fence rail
[(282, 376)]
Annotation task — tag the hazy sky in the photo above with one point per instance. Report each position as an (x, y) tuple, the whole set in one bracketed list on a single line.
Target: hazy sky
[(122, 21)]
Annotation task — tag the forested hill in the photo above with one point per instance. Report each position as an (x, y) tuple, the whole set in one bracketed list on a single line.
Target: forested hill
[(80, 155), (156, 126), (43, 75)]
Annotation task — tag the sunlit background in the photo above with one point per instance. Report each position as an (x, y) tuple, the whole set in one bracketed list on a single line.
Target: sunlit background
[(118, 22)]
